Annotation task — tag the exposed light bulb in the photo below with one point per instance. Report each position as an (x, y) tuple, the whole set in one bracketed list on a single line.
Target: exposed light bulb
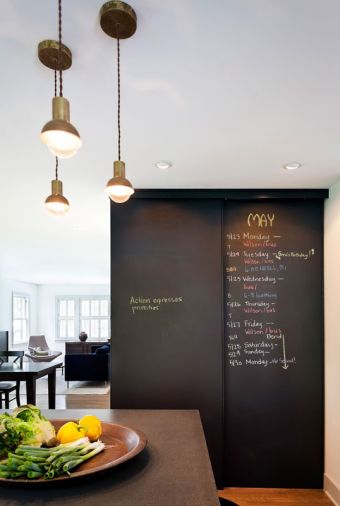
[(56, 207), (60, 136), (60, 143), (118, 188), (56, 203), (118, 192)]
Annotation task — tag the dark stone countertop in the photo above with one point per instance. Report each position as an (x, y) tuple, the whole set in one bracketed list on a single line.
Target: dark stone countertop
[(173, 470)]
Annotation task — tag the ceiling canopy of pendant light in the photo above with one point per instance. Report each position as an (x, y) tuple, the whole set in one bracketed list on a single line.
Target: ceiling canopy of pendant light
[(60, 136), (118, 20), (56, 203)]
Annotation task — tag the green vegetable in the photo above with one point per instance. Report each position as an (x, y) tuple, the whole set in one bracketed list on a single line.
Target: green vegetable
[(51, 461), (26, 425), (21, 437)]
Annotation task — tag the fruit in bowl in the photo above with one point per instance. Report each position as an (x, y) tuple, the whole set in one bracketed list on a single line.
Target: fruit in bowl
[(89, 426)]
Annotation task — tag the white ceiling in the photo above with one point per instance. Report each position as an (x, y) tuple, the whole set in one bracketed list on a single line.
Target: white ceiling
[(228, 90)]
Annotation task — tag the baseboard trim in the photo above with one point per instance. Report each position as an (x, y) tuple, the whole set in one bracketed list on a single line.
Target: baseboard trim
[(331, 490)]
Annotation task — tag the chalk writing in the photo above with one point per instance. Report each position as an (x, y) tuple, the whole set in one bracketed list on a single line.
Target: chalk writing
[(141, 303), (294, 254), (256, 267), (260, 220)]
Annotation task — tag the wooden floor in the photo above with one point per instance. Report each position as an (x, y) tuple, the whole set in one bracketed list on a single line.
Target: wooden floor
[(74, 401), (275, 496), (71, 401)]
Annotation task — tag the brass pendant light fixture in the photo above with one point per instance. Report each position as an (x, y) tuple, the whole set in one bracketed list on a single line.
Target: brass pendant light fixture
[(60, 136), (118, 20), (56, 203)]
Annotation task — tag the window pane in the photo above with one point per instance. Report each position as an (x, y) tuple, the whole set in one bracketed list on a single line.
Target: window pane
[(104, 328), (70, 307), (70, 328), (26, 308), (16, 325), (62, 328), (17, 331), (95, 307), (20, 319), (16, 307), (21, 306), (94, 328), (85, 308), (62, 307), (24, 330), (16, 337), (85, 326), (19, 309), (104, 308)]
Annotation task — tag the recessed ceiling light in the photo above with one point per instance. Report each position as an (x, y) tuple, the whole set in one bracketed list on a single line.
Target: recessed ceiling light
[(292, 166), (163, 165)]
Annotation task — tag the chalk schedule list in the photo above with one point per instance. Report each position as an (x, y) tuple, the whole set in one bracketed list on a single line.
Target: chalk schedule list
[(273, 343)]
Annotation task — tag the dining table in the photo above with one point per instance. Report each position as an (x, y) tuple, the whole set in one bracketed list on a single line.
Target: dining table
[(172, 470), (30, 372)]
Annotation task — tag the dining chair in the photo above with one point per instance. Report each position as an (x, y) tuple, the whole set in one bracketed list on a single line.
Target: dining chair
[(12, 386)]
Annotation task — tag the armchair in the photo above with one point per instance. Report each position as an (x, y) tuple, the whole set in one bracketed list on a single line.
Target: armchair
[(45, 354)]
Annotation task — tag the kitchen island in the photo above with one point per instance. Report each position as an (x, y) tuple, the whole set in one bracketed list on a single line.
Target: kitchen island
[(173, 470)]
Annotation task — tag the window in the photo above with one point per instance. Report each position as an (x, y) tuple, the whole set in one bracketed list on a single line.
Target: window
[(89, 314), (94, 317), (20, 318), (66, 318)]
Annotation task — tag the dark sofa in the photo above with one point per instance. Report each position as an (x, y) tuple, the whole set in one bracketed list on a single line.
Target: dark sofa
[(87, 367)]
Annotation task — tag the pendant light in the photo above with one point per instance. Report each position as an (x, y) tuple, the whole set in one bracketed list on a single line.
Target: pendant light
[(118, 20), (60, 136), (56, 203)]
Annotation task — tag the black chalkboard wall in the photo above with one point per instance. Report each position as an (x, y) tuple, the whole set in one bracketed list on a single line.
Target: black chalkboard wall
[(217, 305), (167, 310), (274, 344)]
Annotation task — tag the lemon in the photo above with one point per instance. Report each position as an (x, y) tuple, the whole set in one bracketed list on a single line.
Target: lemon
[(69, 432), (92, 427)]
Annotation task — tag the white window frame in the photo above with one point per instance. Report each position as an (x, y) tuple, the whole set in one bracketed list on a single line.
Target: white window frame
[(77, 316), (58, 317), (26, 297), (90, 298)]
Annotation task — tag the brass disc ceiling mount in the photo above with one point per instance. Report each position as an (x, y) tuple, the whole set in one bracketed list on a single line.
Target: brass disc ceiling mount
[(118, 19), (48, 53)]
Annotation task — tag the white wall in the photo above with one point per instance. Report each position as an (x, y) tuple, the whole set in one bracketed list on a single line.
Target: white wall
[(7, 287), (47, 307), (332, 338)]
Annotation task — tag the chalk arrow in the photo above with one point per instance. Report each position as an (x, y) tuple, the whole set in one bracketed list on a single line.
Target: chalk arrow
[(285, 366)]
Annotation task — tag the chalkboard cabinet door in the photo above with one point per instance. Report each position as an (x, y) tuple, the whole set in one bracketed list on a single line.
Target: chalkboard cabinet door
[(167, 310), (274, 343)]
